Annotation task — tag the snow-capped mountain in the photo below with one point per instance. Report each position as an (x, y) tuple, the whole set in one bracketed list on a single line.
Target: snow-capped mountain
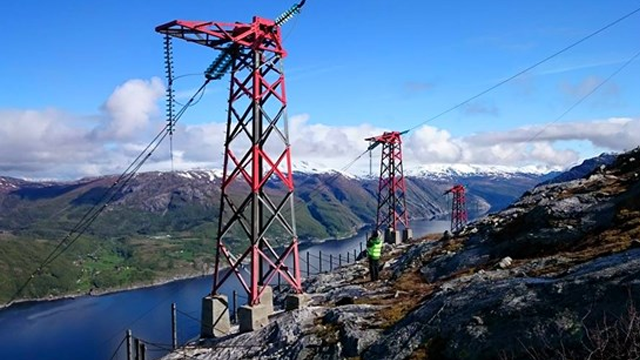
[(200, 174), (445, 171), (308, 168), (437, 171)]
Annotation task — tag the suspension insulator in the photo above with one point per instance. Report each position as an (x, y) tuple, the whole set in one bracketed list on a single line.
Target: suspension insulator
[(288, 15), (220, 65), (170, 94)]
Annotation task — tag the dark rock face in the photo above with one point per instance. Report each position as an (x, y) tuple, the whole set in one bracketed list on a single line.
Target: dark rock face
[(485, 315), (584, 169)]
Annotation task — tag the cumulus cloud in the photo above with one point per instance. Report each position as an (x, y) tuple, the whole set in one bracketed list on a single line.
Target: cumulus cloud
[(428, 143), (32, 140), (51, 143), (54, 144), (431, 145), (130, 108), (612, 134)]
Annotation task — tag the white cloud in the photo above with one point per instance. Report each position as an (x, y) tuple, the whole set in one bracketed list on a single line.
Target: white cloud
[(53, 144), (333, 146), (32, 140), (50, 143), (427, 143), (611, 134), (130, 108)]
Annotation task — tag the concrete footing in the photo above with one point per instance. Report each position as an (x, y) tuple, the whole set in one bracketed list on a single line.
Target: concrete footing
[(392, 237), (266, 299), (407, 234), (253, 318), (296, 301), (215, 316)]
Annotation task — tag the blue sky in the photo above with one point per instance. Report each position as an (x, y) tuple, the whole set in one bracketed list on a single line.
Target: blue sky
[(353, 68)]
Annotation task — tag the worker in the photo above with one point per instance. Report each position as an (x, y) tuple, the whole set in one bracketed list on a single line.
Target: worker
[(374, 250)]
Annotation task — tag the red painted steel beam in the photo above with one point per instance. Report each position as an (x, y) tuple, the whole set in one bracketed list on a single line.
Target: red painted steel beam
[(262, 34), (255, 117)]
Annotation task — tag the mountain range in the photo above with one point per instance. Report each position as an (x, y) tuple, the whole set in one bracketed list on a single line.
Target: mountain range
[(163, 224)]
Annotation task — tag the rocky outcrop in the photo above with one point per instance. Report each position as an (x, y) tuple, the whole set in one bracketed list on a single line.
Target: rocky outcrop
[(585, 168), (554, 276)]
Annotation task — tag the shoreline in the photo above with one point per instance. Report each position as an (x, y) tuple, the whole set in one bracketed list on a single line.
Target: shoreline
[(159, 282), (103, 292), (175, 278)]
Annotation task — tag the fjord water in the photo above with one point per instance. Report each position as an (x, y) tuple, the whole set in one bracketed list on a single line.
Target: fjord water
[(92, 327)]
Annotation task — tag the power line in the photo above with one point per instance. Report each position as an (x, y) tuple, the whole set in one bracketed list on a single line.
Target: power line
[(319, 188), (581, 100), (557, 53), (115, 353), (147, 312), (109, 195), (315, 191), (512, 77)]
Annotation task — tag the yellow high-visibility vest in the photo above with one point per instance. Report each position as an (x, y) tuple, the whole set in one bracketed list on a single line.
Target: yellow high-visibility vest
[(374, 248)]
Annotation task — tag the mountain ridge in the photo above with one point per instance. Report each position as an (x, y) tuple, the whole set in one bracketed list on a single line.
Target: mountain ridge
[(163, 224)]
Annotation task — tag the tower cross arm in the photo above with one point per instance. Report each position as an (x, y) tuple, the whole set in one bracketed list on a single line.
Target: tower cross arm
[(261, 34)]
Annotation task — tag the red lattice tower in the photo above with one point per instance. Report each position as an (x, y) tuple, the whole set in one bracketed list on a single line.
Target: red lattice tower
[(458, 208), (392, 206), (257, 150)]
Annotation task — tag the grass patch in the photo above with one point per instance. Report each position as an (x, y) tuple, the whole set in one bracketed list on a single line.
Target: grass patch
[(410, 290)]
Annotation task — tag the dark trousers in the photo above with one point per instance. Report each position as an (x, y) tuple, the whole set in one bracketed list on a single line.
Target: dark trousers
[(374, 268)]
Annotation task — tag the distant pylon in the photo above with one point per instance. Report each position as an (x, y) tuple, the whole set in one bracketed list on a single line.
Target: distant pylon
[(391, 215), (458, 208)]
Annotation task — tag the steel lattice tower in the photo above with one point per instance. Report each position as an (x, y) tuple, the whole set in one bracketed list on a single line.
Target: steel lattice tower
[(257, 150), (458, 208), (392, 206)]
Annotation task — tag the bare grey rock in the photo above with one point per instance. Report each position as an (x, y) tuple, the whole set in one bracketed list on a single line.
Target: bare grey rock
[(505, 262), (513, 311), (532, 275)]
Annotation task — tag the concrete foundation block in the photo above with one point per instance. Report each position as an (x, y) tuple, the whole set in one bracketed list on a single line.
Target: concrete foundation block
[(266, 299), (215, 316), (296, 301), (253, 318), (407, 234), (392, 237)]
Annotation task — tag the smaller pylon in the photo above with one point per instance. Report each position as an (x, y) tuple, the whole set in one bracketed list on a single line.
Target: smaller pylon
[(458, 208), (392, 217)]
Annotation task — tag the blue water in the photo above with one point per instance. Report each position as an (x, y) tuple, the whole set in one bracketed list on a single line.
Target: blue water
[(92, 327)]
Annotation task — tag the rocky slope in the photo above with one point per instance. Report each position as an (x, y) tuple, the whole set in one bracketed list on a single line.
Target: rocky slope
[(586, 167), (554, 276)]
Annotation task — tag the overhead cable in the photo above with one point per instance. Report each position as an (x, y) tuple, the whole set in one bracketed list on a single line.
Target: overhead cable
[(521, 72)]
